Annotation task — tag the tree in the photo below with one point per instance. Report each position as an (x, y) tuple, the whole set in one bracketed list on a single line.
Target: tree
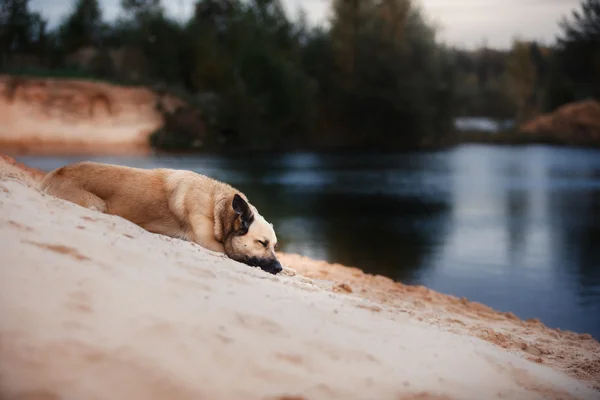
[(83, 27), (246, 56), (20, 29), (349, 19), (585, 26), (392, 78), (141, 9), (145, 28), (522, 71), (579, 49)]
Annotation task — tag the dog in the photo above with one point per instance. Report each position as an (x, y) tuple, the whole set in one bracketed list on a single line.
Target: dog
[(176, 203)]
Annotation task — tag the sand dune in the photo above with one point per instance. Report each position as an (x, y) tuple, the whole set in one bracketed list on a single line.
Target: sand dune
[(94, 307)]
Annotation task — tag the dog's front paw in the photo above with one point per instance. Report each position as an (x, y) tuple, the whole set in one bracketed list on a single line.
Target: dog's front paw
[(288, 272)]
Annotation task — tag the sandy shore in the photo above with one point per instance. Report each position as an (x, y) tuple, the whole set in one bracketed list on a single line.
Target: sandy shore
[(53, 116), (94, 307)]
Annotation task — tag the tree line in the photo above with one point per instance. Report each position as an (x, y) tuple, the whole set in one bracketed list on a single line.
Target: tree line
[(375, 77)]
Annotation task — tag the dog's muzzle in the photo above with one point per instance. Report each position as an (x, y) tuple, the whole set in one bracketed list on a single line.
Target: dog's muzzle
[(271, 266)]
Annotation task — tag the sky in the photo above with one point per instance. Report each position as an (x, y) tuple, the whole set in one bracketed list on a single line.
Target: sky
[(463, 23)]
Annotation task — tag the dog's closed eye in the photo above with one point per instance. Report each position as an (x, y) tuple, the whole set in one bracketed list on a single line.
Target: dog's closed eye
[(265, 243)]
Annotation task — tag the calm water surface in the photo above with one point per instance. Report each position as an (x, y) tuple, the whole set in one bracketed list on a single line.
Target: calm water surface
[(515, 228)]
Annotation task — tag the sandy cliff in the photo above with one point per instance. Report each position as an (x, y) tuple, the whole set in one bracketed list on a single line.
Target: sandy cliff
[(574, 123), (56, 115), (95, 307)]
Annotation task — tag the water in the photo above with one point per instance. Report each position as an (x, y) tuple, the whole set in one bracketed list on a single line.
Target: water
[(515, 228)]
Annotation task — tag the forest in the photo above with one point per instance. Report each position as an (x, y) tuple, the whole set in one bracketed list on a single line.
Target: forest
[(375, 76)]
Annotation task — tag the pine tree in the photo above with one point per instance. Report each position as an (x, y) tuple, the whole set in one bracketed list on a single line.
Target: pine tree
[(579, 49), (20, 29), (83, 27)]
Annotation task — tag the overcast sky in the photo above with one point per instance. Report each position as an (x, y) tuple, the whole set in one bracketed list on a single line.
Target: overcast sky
[(465, 23)]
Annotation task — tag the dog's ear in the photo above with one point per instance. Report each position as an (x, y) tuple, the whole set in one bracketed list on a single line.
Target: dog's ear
[(241, 208)]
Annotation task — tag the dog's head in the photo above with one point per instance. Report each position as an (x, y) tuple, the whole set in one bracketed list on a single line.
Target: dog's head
[(252, 240)]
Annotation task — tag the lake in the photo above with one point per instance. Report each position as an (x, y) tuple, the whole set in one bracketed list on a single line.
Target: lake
[(516, 228)]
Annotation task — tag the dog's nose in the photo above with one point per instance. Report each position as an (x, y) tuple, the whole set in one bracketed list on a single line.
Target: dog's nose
[(277, 268)]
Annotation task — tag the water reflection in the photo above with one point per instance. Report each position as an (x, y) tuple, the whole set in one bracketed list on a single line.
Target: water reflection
[(515, 228), (525, 234)]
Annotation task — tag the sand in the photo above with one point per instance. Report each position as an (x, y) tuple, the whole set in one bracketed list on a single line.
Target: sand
[(69, 116), (94, 307), (576, 123)]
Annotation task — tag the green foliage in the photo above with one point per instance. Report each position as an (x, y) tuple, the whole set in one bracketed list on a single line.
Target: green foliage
[(375, 77), (523, 77), (247, 55), (392, 84), (484, 87), (83, 27), (579, 50), (21, 31)]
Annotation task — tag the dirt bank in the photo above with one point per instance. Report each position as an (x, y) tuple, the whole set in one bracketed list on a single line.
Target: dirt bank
[(156, 318), (575, 123), (45, 116)]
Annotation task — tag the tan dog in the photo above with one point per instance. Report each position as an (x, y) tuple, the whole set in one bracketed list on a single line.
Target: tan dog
[(175, 203)]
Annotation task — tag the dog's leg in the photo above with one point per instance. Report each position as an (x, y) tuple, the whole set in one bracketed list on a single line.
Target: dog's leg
[(80, 197), (96, 203), (203, 233), (213, 245), (56, 185), (85, 199)]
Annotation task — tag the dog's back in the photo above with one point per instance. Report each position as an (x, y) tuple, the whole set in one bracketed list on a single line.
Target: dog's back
[(67, 183), (140, 196)]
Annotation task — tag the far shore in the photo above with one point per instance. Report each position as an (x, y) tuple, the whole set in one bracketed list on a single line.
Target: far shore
[(49, 116), (81, 148)]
